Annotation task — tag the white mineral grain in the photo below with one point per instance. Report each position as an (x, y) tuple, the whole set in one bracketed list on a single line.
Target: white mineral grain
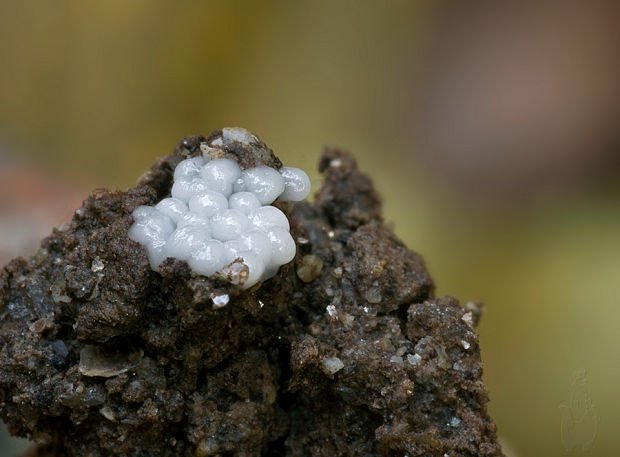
[(238, 134), (332, 364), (414, 359), (219, 301)]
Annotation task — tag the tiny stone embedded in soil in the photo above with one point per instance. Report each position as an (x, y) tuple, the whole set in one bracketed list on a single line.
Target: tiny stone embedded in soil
[(344, 351)]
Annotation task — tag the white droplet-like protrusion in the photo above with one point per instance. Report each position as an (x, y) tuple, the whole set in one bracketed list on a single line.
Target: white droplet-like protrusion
[(264, 182), (183, 242), (257, 241), (208, 203), (239, 185), (229, 224), (189, 169), (152, 233), (219, 214), (270, 271), (143, 212), (255, 265), (186, 188), (156, 255), (195, 220), (156, 228), (208, 259), (296, 184), (232, 249), (266, 217), (282, 246), (174, 208), (238, 134), (220, 175), (243, 201)]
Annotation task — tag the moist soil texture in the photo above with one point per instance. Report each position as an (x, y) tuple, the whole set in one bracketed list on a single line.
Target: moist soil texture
[(345, 352)]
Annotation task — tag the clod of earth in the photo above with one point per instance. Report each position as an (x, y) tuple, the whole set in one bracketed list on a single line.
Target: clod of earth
[(344, 352)]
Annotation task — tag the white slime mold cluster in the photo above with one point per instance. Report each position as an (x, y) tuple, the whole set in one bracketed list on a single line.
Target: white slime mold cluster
[(219, 213)]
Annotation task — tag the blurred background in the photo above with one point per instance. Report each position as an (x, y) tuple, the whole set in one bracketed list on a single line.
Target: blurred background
[(490, 129)]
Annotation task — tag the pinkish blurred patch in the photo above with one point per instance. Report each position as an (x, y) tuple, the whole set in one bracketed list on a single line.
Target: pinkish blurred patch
[(32, 202), (513, 99)]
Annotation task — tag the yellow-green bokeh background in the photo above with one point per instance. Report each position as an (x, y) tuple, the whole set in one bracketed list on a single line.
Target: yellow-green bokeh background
[(97, 90)]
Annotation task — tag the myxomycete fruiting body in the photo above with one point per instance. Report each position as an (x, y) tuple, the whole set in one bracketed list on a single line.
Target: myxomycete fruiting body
[(219, 216), (210, 311)]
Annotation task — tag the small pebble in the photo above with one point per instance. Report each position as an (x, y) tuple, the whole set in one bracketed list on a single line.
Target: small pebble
[(414, 359), (219, 301), (309, 268), (332, 365)]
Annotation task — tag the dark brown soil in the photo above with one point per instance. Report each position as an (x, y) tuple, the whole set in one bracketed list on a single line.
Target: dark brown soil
[(101, 356)]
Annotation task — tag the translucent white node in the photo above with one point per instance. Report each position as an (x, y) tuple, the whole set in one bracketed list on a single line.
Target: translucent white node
[(239, 134), (266, 217), (282, 246), (208, 259), (174, 208), (156, 255), (296, 184), (152, 229), (218, 213), (232, 249), (258, 242), (195, 220), (243, 201), (189, 168), (239, 185), (264, 182), (186, 188), (228, 224), (143, 212), (255, 265), (183, 242), (152, 234), (220, 175), (270, 272), (208, 203)]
